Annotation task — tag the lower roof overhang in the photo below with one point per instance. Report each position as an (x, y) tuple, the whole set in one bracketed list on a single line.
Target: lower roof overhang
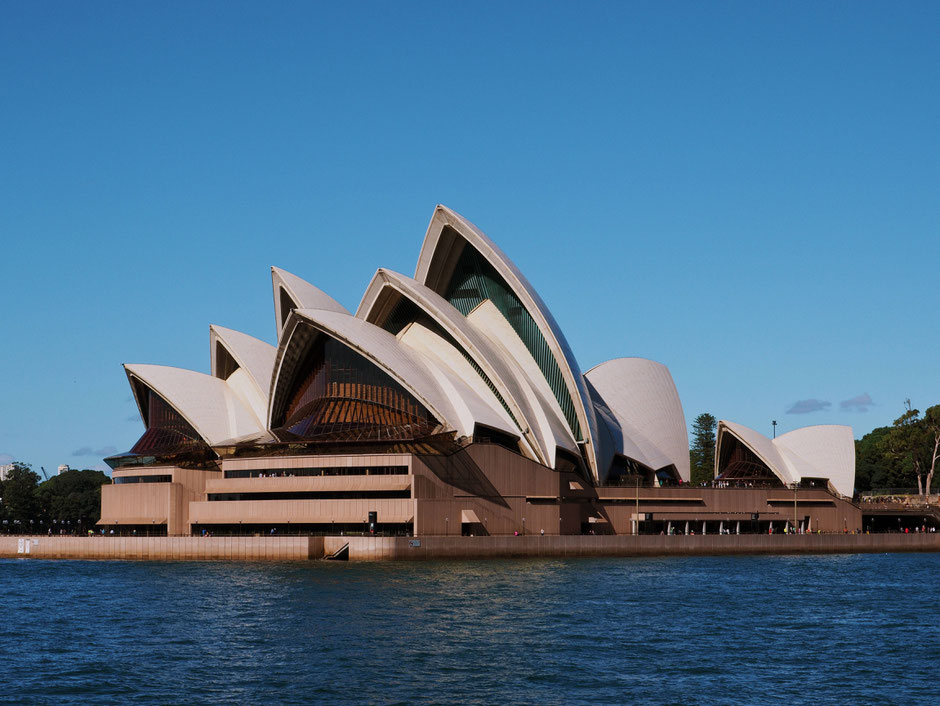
[(132, 521)]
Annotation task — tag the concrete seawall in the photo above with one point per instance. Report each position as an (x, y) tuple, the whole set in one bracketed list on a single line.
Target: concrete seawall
[(286, 548), (402, 548), (164, 548)]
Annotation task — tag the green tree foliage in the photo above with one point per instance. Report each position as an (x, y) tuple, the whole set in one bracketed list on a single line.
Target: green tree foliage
[(73, 495), (902, 456), (931, 423), (874, 466), (28, 506), (18, 502), (702, 451), (908, 443)]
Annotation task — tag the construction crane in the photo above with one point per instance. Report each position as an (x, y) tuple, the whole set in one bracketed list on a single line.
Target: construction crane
[(44, 475)]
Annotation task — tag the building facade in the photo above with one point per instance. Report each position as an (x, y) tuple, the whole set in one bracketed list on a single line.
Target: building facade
[(448, 403)]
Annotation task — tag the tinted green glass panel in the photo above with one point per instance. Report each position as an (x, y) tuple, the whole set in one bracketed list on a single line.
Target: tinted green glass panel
[(473, 282)]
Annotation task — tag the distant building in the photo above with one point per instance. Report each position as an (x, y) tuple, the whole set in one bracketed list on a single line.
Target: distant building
[(63, 468), (5, 471)]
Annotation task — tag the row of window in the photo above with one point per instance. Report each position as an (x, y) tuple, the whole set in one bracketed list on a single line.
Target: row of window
[(333, 471), (316, 495), (120, 480)]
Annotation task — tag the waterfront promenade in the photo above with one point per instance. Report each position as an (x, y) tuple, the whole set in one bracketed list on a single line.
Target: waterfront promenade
[(302, 548)]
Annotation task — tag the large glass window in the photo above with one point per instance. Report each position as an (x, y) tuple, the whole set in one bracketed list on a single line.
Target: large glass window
[(313, 495), (224, 362), (287, 305), (737, 463), (339, 394), (120, 480), (326, 471), (474, 281), (168, 433)]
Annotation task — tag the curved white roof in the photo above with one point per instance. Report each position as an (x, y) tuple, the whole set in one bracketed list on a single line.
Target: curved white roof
[(437, 258), (642, 398), (453, 407), (255, 360), (302, 293), (501, 370), (763, 447), (823, 451), (210, 406), (549, 421), (471, 399)]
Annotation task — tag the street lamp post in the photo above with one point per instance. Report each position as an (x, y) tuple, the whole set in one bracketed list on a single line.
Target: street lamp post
[(636, 525), (795, 486)]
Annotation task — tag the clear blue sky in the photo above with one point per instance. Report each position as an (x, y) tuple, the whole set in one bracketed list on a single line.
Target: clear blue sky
[(748, 192)]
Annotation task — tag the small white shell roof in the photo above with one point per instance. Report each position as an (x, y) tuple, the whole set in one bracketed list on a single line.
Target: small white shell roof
[(304, 295), (206, 402), (252, 354), (527, 294), (503, 373), (823, 451), (642, 397), (762, 446), (400, 362)]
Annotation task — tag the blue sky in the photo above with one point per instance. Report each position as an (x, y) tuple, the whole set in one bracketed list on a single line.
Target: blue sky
[(746, 192)]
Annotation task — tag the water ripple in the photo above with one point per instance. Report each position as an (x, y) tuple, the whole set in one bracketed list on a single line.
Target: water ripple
[(694, 630)]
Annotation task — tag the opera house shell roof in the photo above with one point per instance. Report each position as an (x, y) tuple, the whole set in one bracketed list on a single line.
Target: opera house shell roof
[(464, 349), (824, 453)]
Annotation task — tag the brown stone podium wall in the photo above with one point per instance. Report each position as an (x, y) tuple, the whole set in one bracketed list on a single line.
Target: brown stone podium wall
[(166, 548), (438, 547)]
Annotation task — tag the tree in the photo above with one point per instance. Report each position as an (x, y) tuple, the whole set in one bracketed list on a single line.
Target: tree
[(18, 493), (911, 441), (875, 468), (931, 422), (702, 451), (73, 496)]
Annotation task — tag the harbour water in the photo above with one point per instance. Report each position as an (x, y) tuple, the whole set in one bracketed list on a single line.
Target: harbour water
[(683, 630)]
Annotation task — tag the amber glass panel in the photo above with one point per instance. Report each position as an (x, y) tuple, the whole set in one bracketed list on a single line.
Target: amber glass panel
[(287, 304), (738, 462), (224, 362), (167, 431), (340, 394)]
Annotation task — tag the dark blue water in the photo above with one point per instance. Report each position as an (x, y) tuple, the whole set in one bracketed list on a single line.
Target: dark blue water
[(831, 629)]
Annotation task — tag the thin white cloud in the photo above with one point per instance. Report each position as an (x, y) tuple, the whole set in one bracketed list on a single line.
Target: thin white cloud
[(859, 403), (808, 406)]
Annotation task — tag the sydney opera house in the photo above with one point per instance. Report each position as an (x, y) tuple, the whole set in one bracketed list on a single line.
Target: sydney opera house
[(449, 403)]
